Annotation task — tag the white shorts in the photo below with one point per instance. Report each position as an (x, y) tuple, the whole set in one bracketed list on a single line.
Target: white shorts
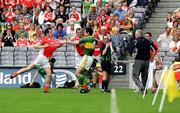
[(42, 60), (78, 60), (87, 62)]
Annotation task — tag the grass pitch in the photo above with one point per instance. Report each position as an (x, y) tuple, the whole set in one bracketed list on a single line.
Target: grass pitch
[(71, 101)]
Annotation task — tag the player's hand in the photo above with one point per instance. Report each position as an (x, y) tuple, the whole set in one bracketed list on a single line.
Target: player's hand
[(107, 45), (46, 45)]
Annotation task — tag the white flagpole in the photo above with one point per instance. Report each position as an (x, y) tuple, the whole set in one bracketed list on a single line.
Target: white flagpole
[(165, 90), (147, 82), (160, 82)]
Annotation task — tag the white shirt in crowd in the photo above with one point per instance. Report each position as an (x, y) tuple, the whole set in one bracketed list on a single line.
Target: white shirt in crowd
[(173, 46), (164, 40)]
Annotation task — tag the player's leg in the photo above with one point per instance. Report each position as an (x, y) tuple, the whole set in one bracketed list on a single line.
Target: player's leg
[(83, 79), (47, 79), (155, 85), (29, 67)]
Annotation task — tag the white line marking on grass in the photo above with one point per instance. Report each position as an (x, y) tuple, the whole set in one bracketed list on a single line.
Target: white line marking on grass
[(114, 108)]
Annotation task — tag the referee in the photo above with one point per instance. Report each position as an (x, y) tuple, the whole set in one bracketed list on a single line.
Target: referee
[(141, 63)]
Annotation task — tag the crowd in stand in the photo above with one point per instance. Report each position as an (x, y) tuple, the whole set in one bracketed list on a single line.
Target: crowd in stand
[(23, 22), (170, 39)]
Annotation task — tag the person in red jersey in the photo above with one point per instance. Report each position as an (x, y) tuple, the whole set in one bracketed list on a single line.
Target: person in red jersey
[(22, 41), (28, 3), (10, 15), (13, 3), (48, 46), (79, 47), (155, 62), (34, 40)]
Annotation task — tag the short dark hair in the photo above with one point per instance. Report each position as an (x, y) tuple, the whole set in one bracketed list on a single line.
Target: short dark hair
[(167, 28), (149, 33), (89, 31), (46, 31), (59, 25), (78, 29)]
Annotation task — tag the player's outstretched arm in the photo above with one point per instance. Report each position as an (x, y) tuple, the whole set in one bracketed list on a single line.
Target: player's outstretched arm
[(72, 42), (39, 46)]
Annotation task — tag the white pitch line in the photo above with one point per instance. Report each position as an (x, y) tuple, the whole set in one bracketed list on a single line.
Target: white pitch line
[(114, 108)]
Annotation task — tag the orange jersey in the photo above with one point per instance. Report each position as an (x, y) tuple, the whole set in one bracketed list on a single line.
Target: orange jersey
[(53, 45)]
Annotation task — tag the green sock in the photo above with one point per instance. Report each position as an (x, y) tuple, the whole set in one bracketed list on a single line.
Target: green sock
[(81, 79)]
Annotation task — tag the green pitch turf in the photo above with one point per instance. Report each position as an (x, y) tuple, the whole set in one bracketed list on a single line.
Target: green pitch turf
[(70, 101)]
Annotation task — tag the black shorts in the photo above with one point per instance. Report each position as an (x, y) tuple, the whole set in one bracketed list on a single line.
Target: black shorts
[(106, 66)]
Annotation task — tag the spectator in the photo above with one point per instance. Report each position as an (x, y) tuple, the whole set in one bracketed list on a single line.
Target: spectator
[(26, 23), (108, 9), (16, 26), (174, 28), (116, 40), (35, 17), (111, 25), (65, 3), (95, 27), (174, 45), (53, 4), (9, 27), (21, 30), (93, 14), (86, 6), (169, 20), (134, 20), (17, 11), (22, 41), (76, 14), (99, 3), (125, 7), (21, 18), (25, 13), (71, 31), (165, 38), (126, 24), (62, 14), (38, 30), (111, 17), (103, 31), (8, 39), (116, 18), (10, 15), (28, 4), (103, 21), (102, 15), (59, 32), (31, 32), (49, 15), (34, 40), (111, 5), (120, 11), (12, 3)]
